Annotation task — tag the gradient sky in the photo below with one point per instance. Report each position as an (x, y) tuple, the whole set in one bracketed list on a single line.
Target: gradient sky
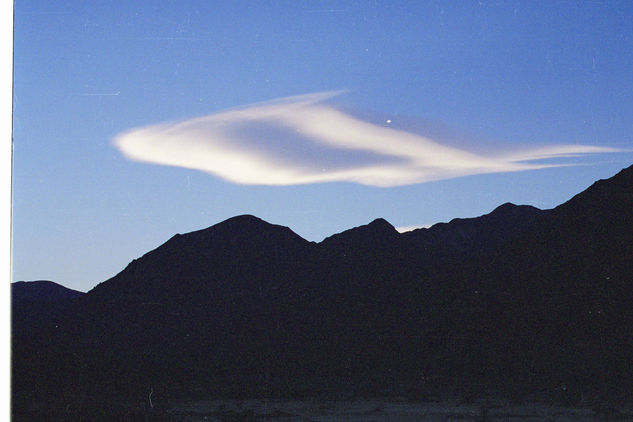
[(136, 120)]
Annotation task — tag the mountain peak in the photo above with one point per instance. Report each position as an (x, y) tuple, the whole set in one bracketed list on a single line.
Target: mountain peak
[(245, 218), (382, 224), (246, 225), (41, 291), (509, 208), (375, 232), (505, 207)]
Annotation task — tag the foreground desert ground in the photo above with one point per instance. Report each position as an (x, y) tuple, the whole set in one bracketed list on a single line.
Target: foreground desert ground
[(382, 410)]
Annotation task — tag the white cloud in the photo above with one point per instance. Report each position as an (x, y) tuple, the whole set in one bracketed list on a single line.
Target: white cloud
[(303, 139)]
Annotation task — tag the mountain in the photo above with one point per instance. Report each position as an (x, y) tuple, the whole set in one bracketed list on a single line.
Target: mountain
[(243, 253), (520, 299), (41, 291), (482, 233), (566, 286), (370, 236), (37, 304)]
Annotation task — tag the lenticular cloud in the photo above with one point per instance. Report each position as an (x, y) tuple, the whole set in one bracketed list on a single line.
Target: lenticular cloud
[(303, 139)]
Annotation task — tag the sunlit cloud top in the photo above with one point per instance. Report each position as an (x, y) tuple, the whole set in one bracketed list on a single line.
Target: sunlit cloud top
[(305, 139)]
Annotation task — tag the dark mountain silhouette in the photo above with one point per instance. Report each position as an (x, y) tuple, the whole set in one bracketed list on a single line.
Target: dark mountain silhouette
[(565, 288), (371, 236), (37, 304), (483, 233), (519, 300), (41, 291), (244, 254)]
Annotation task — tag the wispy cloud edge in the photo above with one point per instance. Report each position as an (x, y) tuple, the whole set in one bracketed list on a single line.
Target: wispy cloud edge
[(208, 144)]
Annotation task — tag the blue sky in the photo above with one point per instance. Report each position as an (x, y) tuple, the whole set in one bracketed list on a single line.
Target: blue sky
[(474, 82)]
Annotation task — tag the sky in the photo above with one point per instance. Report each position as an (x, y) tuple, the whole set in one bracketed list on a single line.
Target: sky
[(137, 120)]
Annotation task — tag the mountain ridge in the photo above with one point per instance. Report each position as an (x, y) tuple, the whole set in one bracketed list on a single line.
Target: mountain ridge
[(41, 290), (522, 298)]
